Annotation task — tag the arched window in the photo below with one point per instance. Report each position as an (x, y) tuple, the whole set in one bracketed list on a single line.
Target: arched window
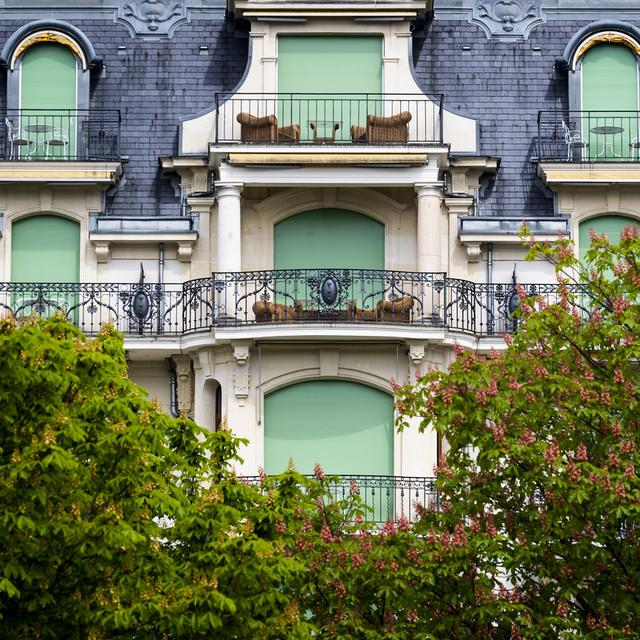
[(45, 248), (610, 101), (49, 65), (611, 225), (602, 60), (345, 427), (328, 238)]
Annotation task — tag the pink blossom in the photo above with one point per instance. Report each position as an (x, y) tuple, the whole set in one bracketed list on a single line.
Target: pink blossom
[(498, 432), (619, 305), (318, 472), (620, 492), (281, 527), (403, 523), (630, 232), (262, 474), (356, 560), (389, 528), (527, 437), (581, 453), (394, 384), (552, 453)]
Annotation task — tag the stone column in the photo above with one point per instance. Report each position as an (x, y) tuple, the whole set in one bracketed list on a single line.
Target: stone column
[(228, 256), (429, 233)]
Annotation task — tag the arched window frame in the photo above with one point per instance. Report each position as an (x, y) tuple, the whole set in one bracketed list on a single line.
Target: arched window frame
[(56, 31), (601, 32)]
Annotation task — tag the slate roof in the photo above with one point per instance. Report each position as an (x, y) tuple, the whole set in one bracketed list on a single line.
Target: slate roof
[(504, 84), (155, 83)]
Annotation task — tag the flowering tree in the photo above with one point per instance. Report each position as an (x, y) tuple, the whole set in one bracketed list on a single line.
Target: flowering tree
[(542, 468)]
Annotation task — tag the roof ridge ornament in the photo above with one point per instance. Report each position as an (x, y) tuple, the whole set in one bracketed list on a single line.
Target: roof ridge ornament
[(507, 19), (152, 18)]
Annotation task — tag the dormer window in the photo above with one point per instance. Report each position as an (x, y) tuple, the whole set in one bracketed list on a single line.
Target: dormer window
[(49, 68)]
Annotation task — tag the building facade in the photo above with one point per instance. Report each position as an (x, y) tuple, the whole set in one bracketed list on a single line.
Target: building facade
[(286, 206)]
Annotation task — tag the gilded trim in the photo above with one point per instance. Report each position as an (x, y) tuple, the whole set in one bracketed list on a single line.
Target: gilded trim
[(611, 37), (328, 158), (47, 36)]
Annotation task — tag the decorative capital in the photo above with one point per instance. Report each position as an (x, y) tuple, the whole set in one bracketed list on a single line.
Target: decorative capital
[(507, 18), (152, 18)]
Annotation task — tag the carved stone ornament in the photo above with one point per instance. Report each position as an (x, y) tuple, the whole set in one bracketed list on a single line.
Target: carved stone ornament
[(152, 18), (507, 18)]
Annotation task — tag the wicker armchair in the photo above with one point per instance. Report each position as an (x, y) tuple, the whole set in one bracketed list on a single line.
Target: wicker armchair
[(265, 129), (382, 129), (266, 311)]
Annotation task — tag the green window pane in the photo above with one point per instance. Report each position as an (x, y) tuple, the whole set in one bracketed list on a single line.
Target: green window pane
[(345, 427), (610, 85), (612, 226), (48, 89), (45, 249), (328, 238), (328, 65)]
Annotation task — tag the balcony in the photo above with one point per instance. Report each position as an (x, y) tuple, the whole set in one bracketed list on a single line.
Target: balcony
[(61, 135), (389, 498), (352, 297), (304, 120), (588, 136)]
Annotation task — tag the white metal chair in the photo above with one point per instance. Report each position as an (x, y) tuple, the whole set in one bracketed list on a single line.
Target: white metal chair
[(574, 140), (59, 140), (16, 141), (634, 147)]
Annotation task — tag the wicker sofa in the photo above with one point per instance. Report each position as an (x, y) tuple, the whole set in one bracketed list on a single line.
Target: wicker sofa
[(383, 129), (265, 129), (385, 311)]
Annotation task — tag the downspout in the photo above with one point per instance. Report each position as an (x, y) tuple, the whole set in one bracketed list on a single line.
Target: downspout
[(160, 285), (490, 316), (173, 388)]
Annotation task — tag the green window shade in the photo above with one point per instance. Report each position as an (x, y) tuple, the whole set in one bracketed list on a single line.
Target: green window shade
[(333, 239), (328, 65), (48, 87), (345, 427), (329, 238), (612, 226), (45, 249), (610, 84)]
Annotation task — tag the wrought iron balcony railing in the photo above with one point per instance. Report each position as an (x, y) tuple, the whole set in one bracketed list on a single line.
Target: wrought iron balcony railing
[(61, 134), (589, 136), (389, 498), (358, 297), (321, 119)]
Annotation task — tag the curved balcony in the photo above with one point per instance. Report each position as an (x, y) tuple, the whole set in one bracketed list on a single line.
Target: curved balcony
[(389, 498), (331, 296)]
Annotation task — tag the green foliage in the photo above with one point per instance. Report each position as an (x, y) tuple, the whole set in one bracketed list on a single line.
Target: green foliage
[(117, 520), (543, 463)]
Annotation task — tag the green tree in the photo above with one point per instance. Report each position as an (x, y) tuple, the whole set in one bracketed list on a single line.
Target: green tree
[(118, 521), (542, 466)]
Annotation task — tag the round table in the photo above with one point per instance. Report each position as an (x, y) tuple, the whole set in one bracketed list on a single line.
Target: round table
[(607, 143)]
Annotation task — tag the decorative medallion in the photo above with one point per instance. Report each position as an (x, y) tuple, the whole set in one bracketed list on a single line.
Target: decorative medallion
[(507, 18), (152, 17), (329, 291)]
